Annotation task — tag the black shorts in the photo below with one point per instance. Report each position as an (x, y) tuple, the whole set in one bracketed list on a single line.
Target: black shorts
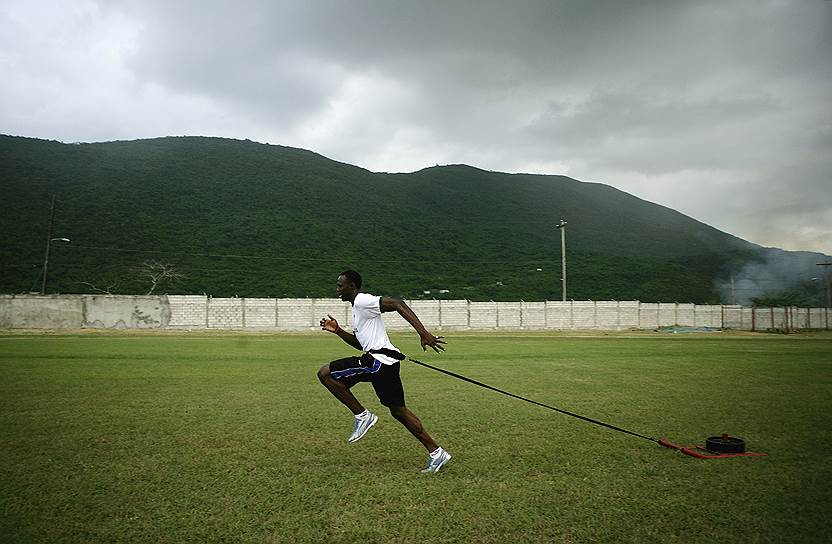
[(385, 378)]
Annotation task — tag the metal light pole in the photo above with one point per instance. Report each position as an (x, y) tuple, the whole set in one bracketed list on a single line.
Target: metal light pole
[(562, 228), (49, 241), (46, 261)]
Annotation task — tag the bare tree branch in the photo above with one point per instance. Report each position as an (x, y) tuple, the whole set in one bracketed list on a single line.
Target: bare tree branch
[(107, 290), (158, 273)]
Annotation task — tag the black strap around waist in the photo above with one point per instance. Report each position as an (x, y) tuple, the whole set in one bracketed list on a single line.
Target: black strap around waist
[(397, 355)]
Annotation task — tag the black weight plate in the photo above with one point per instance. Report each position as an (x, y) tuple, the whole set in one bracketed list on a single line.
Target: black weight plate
[(727, 444)]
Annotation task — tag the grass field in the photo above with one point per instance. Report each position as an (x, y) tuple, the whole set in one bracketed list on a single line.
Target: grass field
[(195, 437)]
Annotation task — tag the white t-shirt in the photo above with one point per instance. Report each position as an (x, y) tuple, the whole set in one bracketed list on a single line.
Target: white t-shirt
[(368, 326)]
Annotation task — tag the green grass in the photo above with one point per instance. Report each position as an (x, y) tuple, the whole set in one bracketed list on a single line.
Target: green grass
[(207, 438)]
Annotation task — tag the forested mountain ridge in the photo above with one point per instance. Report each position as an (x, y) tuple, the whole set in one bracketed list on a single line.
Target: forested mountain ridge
[(234, 217)]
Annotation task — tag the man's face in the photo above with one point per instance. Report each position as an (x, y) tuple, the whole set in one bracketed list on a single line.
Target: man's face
[(344, 288)]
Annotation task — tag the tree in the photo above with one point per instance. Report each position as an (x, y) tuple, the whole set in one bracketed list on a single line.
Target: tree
[(157, 273)]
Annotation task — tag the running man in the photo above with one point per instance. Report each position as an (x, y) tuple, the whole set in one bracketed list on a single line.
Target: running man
[(379, 364)]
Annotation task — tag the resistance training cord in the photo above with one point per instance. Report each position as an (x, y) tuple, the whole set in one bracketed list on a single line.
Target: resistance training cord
[(475, 382)]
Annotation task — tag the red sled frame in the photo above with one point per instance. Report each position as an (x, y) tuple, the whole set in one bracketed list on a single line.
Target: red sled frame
[(692, 451)]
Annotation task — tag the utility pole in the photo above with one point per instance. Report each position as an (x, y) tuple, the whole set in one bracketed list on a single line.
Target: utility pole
[(562, 228), (48, 245), (49, 241), (826, 277)]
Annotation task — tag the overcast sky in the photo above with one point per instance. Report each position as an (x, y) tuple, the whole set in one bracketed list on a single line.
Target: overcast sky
[(720, 109)]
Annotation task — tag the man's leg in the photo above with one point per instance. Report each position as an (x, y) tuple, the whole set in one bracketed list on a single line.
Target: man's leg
[(438, 456), (364, 419), (388, 385), (340, 390), (414, 425)]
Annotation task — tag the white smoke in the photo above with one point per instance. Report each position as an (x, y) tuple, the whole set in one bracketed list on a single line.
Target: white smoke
[(778, 271)]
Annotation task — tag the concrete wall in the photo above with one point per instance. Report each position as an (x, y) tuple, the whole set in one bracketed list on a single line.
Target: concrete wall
[(125, 312), (47, 312), (202, 312), (188, 311), (84, 311)]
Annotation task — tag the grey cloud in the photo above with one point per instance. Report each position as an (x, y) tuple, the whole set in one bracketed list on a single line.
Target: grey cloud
[(457, 53), (669, 134)]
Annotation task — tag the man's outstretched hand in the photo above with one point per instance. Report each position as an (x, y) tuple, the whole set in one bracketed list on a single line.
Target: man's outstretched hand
[(435, 342), (329, 323)]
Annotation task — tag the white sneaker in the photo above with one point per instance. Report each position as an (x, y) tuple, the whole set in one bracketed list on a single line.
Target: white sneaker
[(435, 462), (362, 425)]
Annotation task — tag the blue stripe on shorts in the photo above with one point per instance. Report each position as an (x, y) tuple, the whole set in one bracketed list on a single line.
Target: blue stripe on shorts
[(338, 374)]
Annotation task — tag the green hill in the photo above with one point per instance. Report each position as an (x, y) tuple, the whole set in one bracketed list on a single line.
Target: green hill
[(248, 219)]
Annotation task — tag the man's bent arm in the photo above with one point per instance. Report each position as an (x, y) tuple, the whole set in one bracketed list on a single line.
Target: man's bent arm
[(389, 304), (349, 338), (330, 324)]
